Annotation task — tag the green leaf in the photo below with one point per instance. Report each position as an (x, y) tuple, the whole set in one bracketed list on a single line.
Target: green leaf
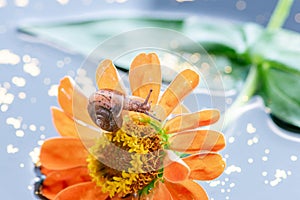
[(282, 47), (223, 37), (216, 36), (278, 57), (84, 36), (280, 91)]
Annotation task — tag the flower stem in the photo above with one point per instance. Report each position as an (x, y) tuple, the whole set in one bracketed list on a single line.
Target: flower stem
[(280, 14), (249, 89), (277, 20)]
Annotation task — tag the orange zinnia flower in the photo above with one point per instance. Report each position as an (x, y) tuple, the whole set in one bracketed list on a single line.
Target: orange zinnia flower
[(141, 158)]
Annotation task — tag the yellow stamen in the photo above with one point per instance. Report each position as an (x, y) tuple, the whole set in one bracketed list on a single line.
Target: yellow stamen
[(126, 161)]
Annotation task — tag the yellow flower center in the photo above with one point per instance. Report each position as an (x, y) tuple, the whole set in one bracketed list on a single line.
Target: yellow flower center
[(130, 159)]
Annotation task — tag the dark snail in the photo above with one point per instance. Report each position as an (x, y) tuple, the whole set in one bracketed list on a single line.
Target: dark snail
[(106, 105)]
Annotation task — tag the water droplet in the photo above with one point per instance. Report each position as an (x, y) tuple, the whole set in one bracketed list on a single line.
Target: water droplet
[(267, 151), (214, 183), (19, 81), (15, 122), (195, 57), (11, 149), (34, 154), (250, 160), (250, 142), (21, 3), (294, 158), (20, 133), (8, 98), (26, 58), (231, 139), (47, 81), (279, 176), (228, 69), (264, 158), (250, 128), (228, 100), (4, 107), (32, 67), (275, 182), (8, 57), (231, 169), (241, 5), (264, 173), (255, 140), (32, 127), (297, 17), (6, 85), (42, 128), (268, 110), (22, 95), (60, 63), (53, 91), (24, 126)]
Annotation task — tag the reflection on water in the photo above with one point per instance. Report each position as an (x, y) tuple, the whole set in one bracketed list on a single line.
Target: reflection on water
[(281, 133)]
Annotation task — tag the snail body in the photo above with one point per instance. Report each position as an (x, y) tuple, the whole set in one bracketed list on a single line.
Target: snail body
[(106, 105)]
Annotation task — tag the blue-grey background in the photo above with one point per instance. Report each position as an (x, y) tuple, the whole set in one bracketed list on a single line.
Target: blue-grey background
[(262, 159)]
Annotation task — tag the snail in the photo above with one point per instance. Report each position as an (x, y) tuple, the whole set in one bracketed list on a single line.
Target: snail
[(106, 105)]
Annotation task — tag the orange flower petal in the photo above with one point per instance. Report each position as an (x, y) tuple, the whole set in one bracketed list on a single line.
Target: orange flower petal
[(107, 77), (175, 170), (180, 87), (205, 166), (160, 192), (67, 127), (144, 75), (45, 171), (191, 121), (63, 153), (130, 197), (65, 94), (73, 101), (195, 141), (180, 109), (82, 191), (186, 190), (59, 180), (64, 125)]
